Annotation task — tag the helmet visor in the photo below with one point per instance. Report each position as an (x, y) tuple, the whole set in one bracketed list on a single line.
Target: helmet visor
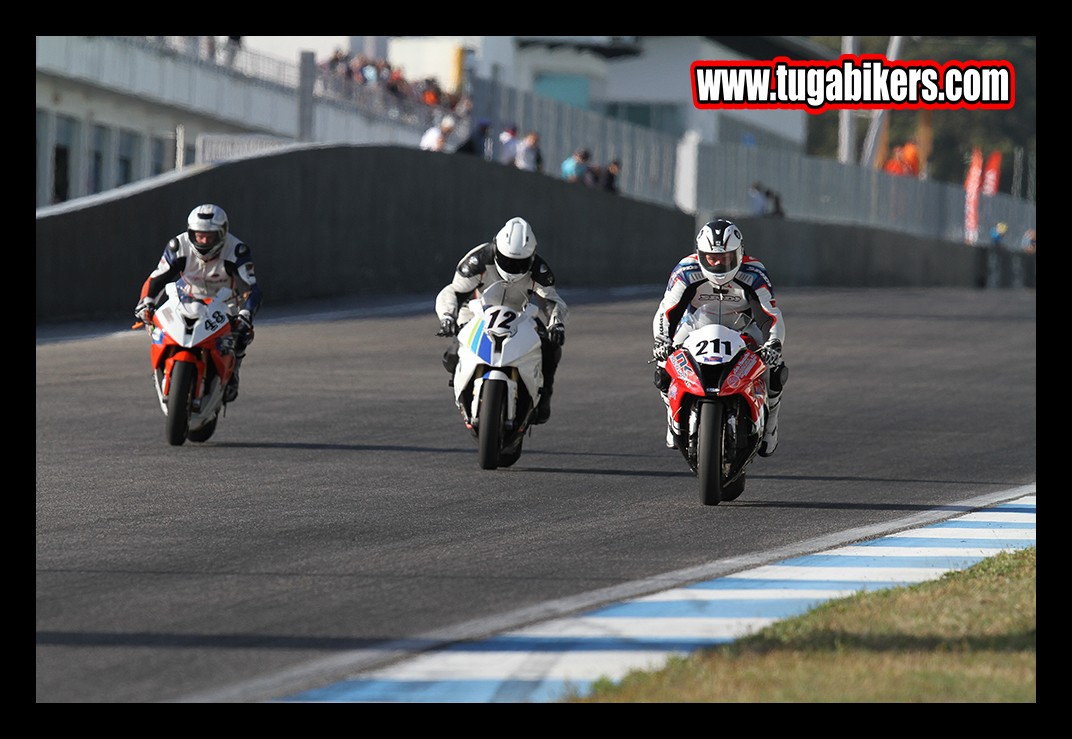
[(721, 262), (511, 265), (204, 241)]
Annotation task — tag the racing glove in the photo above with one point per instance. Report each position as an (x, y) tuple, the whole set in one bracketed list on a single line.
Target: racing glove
[(143, 311), (771, 352), (557, 334), (662, 349), (448, 327)]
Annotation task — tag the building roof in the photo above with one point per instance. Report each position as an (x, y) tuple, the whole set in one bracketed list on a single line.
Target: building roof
[(797, 48)]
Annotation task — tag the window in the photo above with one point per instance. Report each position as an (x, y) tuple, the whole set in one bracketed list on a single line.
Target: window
[(663, 118), (66, 136), (128, 157), (571, 89), (158, 161), (98, 146)]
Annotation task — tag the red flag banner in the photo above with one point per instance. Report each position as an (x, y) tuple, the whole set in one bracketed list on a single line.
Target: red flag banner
[(971, 197), (992, 173)]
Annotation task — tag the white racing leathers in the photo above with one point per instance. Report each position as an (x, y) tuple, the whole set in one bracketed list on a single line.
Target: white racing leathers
[(233, 268), (746, 304), (477, 268)]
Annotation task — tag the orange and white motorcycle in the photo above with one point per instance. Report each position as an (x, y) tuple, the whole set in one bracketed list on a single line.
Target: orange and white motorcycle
[(192, 357)]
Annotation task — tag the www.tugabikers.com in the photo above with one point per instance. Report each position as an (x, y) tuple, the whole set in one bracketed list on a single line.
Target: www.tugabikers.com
[(869, 81)]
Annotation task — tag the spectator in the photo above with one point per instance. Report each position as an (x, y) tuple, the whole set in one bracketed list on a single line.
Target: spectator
[(1027, 246), (997, 235), (431, 95), (904, 162), (479, 139), (775, 201), (574, 166), (607, 179), (529, 157), (995, 257), (230, 49), (758, 196), (1027, 243), (435, 138), (508, 144)]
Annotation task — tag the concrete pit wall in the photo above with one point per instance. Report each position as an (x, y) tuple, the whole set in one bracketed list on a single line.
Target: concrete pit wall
[(344, 221)]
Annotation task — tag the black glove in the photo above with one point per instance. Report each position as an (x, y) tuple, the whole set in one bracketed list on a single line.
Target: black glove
[(662, 349), (448, 327), (771, 352), (143, 311), (557, 334), (243, 326)]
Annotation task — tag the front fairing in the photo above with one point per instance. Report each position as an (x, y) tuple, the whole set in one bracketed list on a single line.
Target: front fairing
[(715, 361)]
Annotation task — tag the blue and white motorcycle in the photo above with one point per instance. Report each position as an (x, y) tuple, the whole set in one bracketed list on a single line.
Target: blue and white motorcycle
[(499, 376)]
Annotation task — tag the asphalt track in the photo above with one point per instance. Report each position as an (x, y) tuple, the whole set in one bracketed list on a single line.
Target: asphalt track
[(338, 523)]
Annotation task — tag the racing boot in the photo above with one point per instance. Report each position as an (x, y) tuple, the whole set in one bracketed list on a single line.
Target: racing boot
[(671, 442), (231, 391), (450, 360), (770, 433), (552, 355), (543, 408)]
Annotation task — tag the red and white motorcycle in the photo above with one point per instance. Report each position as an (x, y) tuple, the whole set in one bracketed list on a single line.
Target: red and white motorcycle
[(715, 384), (192, 356)]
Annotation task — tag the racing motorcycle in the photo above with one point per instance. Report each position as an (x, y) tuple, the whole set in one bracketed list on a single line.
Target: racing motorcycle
[(192, 356), (715, 382), (499, 375)]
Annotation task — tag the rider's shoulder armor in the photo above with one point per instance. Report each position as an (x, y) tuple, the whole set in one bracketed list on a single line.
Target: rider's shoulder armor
[(753, 274), (541, 272), (476, 261), (173, 245)]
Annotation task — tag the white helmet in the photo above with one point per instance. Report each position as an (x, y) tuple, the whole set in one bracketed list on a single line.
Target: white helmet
[(720, 250), (515, 246), (208, 219)]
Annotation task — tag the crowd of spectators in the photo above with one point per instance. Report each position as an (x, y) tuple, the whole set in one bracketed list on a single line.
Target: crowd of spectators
[(360, 77)]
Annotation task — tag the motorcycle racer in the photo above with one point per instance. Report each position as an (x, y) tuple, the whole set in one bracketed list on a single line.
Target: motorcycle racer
[(510, 257), (720, 275), (205, 258)]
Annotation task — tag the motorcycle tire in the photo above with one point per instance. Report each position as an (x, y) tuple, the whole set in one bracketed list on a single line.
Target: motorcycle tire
[(709, 452), (490, 433), (180, 401), (205, 432), (507, 459), (733, 490)]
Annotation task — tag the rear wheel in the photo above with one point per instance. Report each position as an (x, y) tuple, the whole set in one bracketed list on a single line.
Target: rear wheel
[(179, 401), (490, 434), (709, 451)]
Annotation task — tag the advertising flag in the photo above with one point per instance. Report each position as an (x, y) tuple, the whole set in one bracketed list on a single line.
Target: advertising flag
[(992, 173), (971, 197)]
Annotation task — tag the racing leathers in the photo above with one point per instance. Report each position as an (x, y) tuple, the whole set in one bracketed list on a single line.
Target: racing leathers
[(746, 304), (232, 267), (476, 270)]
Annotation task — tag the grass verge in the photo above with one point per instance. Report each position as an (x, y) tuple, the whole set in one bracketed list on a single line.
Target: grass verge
[(967, 637)]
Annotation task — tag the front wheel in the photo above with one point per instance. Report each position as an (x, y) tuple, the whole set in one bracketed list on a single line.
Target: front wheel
[(490, 434), (709, 450), (180, 401), (205, 432)]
